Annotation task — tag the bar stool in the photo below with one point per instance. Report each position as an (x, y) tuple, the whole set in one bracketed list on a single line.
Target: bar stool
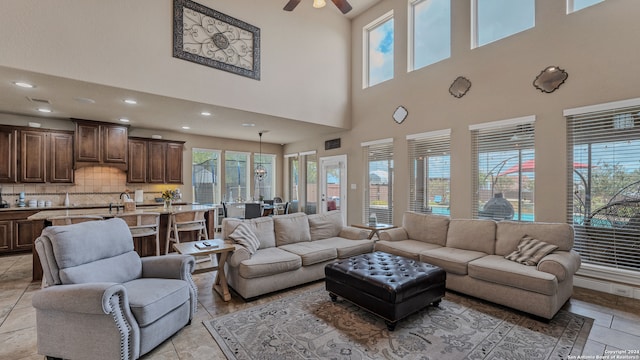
[(143, 225), (186, 220), (73, 219)]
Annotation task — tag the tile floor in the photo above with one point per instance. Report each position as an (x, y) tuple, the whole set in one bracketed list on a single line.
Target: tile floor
[(616, 325)]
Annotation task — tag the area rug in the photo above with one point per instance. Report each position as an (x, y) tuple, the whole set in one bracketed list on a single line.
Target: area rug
[(310, 326)]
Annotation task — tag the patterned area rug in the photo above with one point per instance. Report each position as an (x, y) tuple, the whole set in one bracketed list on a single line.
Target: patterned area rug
[(310, 326)]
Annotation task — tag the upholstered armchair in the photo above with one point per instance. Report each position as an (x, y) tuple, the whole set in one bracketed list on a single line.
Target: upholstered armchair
[(101, 300)]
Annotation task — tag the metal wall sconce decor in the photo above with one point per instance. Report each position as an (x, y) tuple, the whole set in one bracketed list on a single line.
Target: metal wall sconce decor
[(550, 79), (400, 114), (208, 37), (459, 86)]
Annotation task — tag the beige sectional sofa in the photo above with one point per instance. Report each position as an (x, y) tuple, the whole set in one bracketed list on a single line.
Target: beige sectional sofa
[(473, 252), (293, 249)]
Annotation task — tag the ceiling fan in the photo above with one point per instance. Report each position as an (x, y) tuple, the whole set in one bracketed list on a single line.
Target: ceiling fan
[(343, 5)]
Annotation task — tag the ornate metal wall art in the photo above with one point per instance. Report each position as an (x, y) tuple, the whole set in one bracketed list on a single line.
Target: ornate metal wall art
[(550, 79), (208, 37), (459, 86)]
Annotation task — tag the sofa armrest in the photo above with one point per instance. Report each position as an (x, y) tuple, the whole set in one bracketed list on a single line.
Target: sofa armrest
[(238, 255), (168, 266), (353, 233), (91, 298), (562, 264), (395, 234)]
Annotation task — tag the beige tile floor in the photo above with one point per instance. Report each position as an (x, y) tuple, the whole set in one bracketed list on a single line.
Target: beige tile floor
[(616, 325)]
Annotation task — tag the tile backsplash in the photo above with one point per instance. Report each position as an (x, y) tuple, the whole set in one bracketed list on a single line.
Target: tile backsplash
[(93, 185)]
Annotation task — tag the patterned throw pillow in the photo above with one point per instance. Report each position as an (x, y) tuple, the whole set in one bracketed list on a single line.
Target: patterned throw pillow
[(530, 251), (243, 236)]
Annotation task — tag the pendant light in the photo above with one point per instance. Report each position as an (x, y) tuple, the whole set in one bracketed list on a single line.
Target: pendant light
[(260, 171)]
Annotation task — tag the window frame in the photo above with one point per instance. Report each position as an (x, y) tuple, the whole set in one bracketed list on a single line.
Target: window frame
[(475, 23), (366, 30), (244, 191), (217, 192), (411, 51), (571, 8), (385, 147)]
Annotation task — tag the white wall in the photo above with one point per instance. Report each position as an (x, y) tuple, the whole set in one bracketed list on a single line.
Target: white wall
[(305, 57)]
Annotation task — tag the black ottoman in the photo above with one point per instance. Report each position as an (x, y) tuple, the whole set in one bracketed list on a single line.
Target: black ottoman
[(390, 286)]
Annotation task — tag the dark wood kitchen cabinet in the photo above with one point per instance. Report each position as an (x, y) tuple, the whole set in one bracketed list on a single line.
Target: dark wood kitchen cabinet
[(102, 143), (16, 232), (8, 154), (46, 156), (155, 161)]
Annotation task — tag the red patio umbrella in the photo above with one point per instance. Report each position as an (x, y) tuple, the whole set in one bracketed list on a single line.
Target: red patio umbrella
[(530, 165)]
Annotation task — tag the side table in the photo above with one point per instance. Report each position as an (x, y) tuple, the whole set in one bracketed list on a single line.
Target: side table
[(374, 228), (221, 250)]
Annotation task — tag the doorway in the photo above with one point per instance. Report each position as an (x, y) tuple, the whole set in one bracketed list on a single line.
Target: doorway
[(333, 185)]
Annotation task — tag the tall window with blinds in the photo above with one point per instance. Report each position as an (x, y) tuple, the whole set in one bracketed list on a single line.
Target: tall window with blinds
[(504, 169), (378, 198), (604, 194), (430, 175)]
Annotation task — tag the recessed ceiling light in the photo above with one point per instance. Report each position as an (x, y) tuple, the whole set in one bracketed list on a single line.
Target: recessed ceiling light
[(24, 84), (205, 113), (124, 120), (248, 124), (130, 101), (43, 110), (186, 127)]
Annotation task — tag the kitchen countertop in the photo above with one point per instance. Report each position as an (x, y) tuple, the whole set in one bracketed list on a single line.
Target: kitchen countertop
[(48, 213), (81, 206)]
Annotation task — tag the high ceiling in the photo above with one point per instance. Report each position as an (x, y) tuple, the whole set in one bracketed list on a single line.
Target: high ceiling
[(68, 98)]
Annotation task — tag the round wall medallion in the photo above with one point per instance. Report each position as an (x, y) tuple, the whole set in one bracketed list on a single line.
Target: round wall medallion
[(400, 114)]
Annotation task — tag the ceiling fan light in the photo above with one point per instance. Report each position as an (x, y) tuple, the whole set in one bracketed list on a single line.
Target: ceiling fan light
[(319, 4)]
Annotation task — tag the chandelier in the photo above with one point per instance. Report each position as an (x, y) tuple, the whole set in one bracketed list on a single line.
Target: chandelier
[(260, 171)]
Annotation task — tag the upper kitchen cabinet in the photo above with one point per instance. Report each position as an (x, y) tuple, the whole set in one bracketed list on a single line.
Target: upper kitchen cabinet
[(101, 143), (46, 156), (155, 161), (8, 154)]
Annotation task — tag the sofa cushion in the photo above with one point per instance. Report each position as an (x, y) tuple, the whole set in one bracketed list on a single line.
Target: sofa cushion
[(452, 260), (347, 247), (475, 235), (269, 261), (407, 248), (497, 269), (426, 227), (262, 227), (244, 237), (151, 299), (291, 228), (311, 252), (509, 234), (530, 251), (323, 226)]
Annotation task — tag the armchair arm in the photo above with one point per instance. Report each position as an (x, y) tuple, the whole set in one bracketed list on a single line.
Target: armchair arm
[(168, 266), (91, 298), (562, 264), (395, 234), (353, 233)]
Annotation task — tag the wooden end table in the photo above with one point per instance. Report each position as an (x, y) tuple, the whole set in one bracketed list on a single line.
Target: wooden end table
[(374, 228), (221, 250)]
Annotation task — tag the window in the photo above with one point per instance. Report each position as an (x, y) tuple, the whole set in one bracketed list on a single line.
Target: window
[(236, 176), (379, 192), (575, 5), (265, 188), (504, 169), (205, 175), (378, 52), (294, 175), (430, 179), (430, 34), (496, 19), (311, 183), (604, 196)]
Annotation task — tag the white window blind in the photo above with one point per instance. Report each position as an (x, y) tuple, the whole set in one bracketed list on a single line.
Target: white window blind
[(604, 194), (379, 179), (504, 169), (430, 164)]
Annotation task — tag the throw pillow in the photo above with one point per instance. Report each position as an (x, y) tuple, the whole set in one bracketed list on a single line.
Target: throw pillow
[(530, 251), (243, 236)]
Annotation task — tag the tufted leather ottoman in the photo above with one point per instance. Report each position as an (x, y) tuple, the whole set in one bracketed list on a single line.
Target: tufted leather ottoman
[(390, 286)]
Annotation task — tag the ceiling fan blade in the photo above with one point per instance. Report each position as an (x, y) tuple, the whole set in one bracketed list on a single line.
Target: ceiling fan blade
[(291, 5), (343, 5)]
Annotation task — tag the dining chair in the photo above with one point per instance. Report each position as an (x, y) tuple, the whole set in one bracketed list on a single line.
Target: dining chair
[(73, 219), (234, 210), (186, 221), (144, 225), (252, 210)]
